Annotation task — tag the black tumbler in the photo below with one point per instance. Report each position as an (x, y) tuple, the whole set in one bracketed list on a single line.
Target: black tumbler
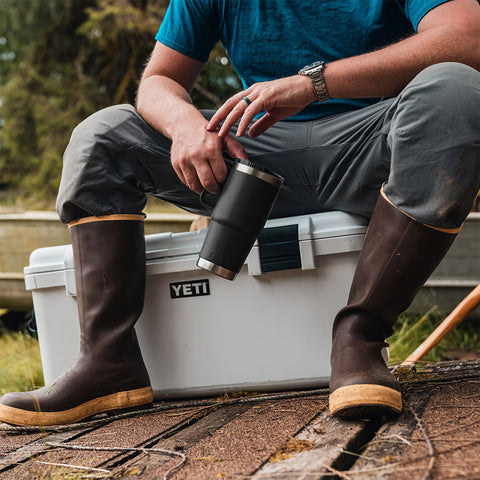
[(241, 211)]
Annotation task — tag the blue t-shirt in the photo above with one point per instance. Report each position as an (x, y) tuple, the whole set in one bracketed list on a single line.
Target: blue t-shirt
[(269, 39)]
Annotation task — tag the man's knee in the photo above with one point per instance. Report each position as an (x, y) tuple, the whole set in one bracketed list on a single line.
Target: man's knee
[(449, 88), (440, 105), (434, 142), (94, 146), (107, 128)]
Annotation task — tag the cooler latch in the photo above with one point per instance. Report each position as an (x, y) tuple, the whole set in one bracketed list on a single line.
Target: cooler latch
[(283, 247), (279, 249)]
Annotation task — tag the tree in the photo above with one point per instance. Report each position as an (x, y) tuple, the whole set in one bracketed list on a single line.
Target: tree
[(72, 58)]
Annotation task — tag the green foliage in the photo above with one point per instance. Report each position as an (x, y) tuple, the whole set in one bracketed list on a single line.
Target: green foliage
[(410, 331), (22, 24), (216, 82), (62, 60), (119, 36), (39, 113), (20, 365), (41, 96)]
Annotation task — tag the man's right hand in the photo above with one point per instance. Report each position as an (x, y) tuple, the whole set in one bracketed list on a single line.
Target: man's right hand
[(197, 157), (164, 102)]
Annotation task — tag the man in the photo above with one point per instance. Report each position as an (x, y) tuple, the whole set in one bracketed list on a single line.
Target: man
[(386, 127)]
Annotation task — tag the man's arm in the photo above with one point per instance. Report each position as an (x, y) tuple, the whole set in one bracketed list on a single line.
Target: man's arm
[(164, 102), (449, 32)]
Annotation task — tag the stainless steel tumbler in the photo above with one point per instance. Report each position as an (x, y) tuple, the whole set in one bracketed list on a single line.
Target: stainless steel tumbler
[(240, 214)]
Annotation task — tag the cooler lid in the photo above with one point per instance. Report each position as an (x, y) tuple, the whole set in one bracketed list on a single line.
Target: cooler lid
[(162, 245), (308, 228), (50, 259), (294, 242), (323, 225), (50, 267), (313, 235)]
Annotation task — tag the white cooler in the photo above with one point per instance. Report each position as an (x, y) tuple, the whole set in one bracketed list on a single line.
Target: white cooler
[(269, 329)]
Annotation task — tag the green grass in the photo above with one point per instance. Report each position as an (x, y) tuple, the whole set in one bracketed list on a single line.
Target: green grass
[(410, 331), (20, 364)]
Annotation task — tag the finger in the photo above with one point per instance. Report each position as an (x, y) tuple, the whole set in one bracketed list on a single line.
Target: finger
[(223, 111), (207, 178), (191, 179), (218, 117), (179, 173), (219, 170), (233, 147), (248, 115), (233, 117), (261, 125), (177, 166), (244, 112)]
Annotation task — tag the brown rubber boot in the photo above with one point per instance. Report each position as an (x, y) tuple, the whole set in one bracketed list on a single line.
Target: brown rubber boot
[(109, 258), (397, 258)]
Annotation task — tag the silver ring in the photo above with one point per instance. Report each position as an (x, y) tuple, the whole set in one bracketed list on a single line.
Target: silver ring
[(247, 100)]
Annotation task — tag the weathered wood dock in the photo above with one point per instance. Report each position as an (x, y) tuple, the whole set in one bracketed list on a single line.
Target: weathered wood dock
[(284, 436)]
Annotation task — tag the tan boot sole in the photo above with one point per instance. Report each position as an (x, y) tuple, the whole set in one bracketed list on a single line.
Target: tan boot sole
[(115, 401), (365, 400)]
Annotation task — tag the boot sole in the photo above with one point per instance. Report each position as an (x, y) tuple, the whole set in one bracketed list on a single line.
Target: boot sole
[(370, 401), (117, 401)]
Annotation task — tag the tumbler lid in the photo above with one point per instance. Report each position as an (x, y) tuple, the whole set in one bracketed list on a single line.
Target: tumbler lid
[(251, 168)]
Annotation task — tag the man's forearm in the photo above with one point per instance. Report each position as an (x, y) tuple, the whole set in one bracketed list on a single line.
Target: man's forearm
[(196, 154), (385, 72), (165, 105)]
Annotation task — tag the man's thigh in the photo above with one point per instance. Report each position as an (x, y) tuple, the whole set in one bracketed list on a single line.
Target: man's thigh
[(334, 163)]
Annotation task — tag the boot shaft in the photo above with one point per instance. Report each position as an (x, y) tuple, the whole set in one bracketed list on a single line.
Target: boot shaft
[(398, 256), (109, 259)]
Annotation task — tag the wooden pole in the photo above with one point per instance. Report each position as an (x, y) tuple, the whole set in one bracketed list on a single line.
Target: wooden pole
[(471, 301)]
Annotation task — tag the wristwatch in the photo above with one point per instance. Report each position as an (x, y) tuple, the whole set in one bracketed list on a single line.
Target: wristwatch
[(315, 72)]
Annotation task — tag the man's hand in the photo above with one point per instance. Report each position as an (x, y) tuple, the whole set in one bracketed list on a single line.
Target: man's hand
[(165, 104), (280, 99), (197, 157)]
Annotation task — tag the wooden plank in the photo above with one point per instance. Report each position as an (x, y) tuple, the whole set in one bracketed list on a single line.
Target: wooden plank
[(392, 439), (440, 372), (9, 443), (282, 438), (126, 432), (324, 442), (441, 414), (16, 457), (444, 443), (331, 445)]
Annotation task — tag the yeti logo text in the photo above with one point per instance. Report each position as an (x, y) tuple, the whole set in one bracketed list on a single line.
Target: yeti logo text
[(196, 288)]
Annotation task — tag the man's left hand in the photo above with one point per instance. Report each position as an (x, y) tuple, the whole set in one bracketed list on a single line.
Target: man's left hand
[(279, 99)]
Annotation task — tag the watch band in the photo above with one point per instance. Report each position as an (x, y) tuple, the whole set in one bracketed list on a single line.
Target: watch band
[(315, 72), (320, 87)]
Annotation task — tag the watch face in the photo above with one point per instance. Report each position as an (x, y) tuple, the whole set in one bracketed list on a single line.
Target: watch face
[(313, 66)]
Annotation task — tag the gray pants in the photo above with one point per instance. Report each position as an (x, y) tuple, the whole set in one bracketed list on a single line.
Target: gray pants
[(423, 145)]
